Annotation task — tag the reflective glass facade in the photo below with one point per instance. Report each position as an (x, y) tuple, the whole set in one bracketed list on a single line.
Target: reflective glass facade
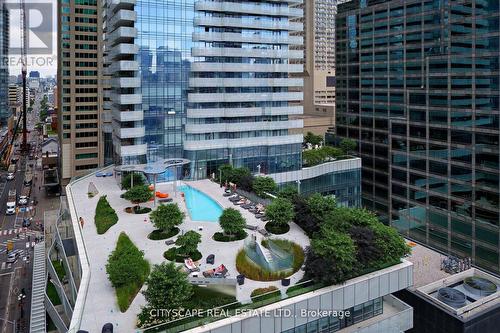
[(418, 89), (344, 185), (165, 30), (357, 314)]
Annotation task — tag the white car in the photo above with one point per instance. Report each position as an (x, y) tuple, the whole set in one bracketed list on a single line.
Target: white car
[(11, 209), (23, 200), (10, 176)]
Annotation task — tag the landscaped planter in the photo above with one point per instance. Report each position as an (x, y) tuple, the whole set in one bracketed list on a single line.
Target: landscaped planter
[(137, 210)]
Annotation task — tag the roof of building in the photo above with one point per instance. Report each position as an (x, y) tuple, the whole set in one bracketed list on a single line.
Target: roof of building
[(463, 294)]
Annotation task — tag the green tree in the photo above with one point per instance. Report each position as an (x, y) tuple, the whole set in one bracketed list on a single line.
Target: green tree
[(238, 174), (313, 138), (332, 257), (126, 264), (226, 171), (288, 192), (138, 178), (347, 145), (263, 185), (138, 194), (188, 242), (166, 217), (231, 221), (167, 288), (321, 206), (312, 157), (280, 212)]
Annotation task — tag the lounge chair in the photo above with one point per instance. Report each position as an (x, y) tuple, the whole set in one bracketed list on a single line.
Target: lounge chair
[(251, 227), (227, 194), (264, 232), (258, 215), (221, 272), (190, 265), (264, 218), (241, 202), (248, 205), (236, 198), (169, 242)]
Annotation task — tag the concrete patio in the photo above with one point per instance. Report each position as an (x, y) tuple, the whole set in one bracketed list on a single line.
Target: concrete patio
[(100, 305)]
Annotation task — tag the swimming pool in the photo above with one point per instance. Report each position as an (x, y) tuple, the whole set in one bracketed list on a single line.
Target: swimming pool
[(200, 206)]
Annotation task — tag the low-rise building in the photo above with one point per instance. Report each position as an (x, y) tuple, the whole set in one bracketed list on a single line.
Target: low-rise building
[(463, 302)]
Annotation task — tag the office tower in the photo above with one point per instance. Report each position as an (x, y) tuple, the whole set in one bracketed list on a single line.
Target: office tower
[(4, 68), (418, 89), (214, 90), (79, 84)]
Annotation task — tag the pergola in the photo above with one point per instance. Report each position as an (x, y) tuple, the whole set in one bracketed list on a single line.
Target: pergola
[(154, 169)]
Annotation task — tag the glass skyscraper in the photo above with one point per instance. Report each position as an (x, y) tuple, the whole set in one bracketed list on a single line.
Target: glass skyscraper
[(418, 89), (207, 80)]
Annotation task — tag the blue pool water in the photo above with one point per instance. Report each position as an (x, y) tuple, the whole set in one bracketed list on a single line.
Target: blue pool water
[(200, 206)]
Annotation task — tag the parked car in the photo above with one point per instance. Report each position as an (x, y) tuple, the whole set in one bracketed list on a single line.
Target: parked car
[(10, 176)]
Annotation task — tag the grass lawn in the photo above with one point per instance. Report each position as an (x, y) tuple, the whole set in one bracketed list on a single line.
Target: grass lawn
[(52, 294), (105, 216), (126, 294), (61, 273)]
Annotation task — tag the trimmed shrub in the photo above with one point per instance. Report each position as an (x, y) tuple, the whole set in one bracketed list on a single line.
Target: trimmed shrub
[(127, 270), (174, 254), (221, 237), (105, 216), (160, 234)]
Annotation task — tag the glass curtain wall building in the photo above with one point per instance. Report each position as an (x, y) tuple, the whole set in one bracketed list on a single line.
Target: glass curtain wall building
[(418, 89), (239, 105), (207, 80)]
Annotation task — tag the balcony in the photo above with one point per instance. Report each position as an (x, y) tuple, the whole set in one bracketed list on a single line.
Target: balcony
[(128, 115), (233, 82), (122, 33), (257, 9), (245, 23), (237, 37), (246, 126), (126, 82), (239, 52), (246, 142), (245, 97), (132, 150), (123, 16), (123, 65), (232, 67), (129, 133), (123, 49), (126, 99), (244, 112)]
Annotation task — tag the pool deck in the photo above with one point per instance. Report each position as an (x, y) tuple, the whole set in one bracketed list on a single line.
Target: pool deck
[(101, 306)]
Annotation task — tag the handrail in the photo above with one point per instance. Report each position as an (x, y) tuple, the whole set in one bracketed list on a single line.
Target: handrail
[(81, 298)]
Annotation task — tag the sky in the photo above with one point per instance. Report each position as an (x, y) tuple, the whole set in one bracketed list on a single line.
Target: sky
[(42, 48)]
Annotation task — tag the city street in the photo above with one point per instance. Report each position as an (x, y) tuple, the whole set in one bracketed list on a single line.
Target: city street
[(15, 278)]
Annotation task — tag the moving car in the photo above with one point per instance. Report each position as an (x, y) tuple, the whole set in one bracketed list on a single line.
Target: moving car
[(12, 257), (10, 176)]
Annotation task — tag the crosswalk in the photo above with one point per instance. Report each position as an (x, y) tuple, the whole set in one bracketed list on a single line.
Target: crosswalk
[(16, 231), (3, 249)]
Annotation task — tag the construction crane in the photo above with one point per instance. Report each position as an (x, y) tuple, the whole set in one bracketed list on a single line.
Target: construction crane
[(5, 153), (24, 70)]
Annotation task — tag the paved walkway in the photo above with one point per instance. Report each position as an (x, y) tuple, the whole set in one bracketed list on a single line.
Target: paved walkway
[(101, 306)]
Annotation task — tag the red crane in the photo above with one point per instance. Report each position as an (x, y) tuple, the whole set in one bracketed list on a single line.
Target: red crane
[(24, 70)]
